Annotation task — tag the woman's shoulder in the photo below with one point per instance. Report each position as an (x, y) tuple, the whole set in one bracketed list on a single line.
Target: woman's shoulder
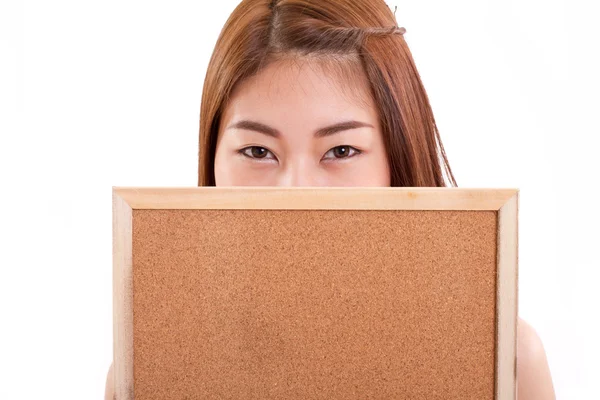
[(109, 389), (528, 336), (534, 380)]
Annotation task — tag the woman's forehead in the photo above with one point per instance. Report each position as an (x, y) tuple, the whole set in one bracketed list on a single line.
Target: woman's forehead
[(301, 85), (300, 80)]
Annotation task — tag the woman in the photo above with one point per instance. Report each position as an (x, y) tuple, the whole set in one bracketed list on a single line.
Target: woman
[(326, 93)]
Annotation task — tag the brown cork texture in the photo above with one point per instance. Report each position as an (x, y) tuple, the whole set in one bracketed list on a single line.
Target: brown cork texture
[(308, 304)]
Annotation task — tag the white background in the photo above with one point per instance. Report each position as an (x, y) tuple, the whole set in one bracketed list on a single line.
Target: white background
[(101, 93)]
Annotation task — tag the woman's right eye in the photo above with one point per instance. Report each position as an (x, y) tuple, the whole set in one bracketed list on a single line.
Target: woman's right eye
[(257, 152)]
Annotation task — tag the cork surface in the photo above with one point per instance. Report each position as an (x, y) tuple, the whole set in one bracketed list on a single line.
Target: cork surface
[(334, 304)]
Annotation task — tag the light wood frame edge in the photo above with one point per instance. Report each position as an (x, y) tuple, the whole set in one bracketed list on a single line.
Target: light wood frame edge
[(507, 300), (122, 298), (298, 198)]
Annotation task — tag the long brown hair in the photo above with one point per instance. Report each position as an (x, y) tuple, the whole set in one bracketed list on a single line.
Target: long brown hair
[(259, 31)]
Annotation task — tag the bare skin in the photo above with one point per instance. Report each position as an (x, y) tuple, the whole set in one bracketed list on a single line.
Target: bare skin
[(293, 125)]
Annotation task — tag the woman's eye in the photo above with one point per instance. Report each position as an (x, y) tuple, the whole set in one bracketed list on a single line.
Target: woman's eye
[(341, 152), (256, 152)]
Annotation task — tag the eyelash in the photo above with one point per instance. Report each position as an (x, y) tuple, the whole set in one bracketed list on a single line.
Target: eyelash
[(353, 150)]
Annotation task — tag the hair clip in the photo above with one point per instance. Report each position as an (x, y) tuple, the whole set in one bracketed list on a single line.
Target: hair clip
[(400, 31), (393, 30)]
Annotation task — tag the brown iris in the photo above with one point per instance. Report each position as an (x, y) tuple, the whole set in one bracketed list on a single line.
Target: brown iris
[(259, 152), (341, 151)]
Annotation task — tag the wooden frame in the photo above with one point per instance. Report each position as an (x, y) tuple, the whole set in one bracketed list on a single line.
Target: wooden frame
[(503, 201)]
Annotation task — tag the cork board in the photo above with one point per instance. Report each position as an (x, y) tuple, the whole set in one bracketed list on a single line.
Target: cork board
[(295, 293)]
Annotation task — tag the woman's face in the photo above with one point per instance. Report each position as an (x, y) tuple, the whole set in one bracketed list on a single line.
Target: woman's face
[(295, 125)]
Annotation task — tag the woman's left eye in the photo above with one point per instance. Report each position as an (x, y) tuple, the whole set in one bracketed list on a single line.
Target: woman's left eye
[(341, 152)]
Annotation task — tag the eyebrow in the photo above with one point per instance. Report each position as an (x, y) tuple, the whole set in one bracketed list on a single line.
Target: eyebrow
[(323, 132)]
